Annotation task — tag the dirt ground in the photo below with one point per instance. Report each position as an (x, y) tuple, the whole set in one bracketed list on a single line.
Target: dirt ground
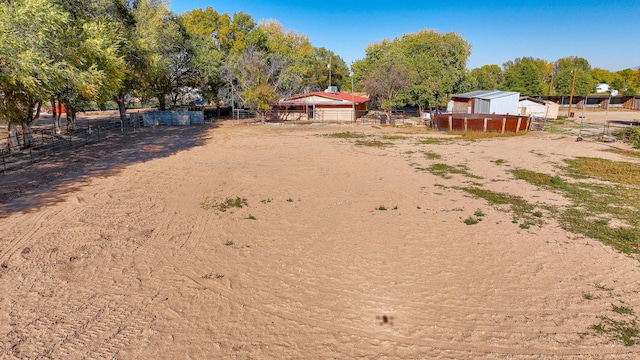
[(126, 257)]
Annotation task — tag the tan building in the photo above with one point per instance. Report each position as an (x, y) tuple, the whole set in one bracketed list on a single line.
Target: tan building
[(321, 106), (538, 108)]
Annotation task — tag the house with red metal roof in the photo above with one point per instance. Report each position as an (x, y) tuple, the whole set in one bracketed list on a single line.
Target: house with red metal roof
[(322, 106)]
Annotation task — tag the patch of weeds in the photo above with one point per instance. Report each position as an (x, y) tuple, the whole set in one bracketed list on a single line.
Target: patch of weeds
[(626, 331), (478, 213), (289, 200), (395, 207), (499, 161), (472, 220), (588, 296), (223, 206), (622, 310), (618, 199), (229, 243), (251, 217), (520, 208), (373, 143), (266, 201), (602, 287), (526, 224), (381, 208), (431, 155), (346, 135), (632, 134), (537, 214), (614, 171), (479, 135), (394, 137), (434, 141), (628, 153), (556, 180), (444, 171), (556, 129)]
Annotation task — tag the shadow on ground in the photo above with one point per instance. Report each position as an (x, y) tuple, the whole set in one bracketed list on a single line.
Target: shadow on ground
[(46, 183)]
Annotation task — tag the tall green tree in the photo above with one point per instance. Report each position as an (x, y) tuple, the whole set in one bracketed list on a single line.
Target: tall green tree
[(30, 66), (602, 75), (123, 15), (89, 45), (388, 78), (166, 47), (422, 69), (524, 76), (627, 81), (487, 77), (585, 84), (437, 64)]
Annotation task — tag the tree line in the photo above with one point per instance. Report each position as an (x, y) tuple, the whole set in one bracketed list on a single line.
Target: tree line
[(539, 77), (86, 53)]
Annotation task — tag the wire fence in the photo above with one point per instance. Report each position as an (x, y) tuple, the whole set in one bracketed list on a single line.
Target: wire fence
[(328, 116), (45, 142)]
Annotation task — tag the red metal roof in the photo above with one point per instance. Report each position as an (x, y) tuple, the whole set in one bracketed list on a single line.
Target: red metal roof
[(333, 96)]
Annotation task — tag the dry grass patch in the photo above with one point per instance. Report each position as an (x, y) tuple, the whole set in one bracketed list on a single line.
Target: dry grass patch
[(479, 135), (627, 153), (614, 171)]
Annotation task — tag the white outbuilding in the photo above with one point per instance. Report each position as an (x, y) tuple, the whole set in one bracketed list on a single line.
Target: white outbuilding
[(486, 102), (538, 108)]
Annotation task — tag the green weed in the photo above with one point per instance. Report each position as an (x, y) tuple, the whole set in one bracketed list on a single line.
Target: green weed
[(347, 135), (444, 171), (431, 155), (223, 206), (373, 143)]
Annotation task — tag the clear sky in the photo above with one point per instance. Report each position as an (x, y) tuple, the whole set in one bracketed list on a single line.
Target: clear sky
[(603, 32)]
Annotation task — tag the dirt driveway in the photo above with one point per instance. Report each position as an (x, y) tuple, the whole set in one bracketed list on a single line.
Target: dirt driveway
[(278, 241)]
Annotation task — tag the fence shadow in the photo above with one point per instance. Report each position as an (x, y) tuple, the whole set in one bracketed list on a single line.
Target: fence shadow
[(47, 182)]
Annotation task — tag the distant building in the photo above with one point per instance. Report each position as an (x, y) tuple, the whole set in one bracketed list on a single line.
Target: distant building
[(602, 88), (328, 105), (538, 108), (486, 102)]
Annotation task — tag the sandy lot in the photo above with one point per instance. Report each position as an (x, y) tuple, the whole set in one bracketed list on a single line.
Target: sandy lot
[(122, 260)]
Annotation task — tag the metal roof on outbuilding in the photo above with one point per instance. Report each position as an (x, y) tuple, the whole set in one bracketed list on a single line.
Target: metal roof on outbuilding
[(485, 94)]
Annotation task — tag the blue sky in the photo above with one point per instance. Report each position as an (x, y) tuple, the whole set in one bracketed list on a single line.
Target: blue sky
[(603, 32)]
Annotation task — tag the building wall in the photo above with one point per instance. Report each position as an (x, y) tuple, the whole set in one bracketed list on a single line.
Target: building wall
[(528, 107), (504, 105), (462, 106), (552, 109), (329, 114)]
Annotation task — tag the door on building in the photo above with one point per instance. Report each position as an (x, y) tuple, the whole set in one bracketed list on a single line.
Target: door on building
[(310, 112)]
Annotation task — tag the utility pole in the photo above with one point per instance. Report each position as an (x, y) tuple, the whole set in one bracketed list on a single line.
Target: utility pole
[(353, 103), (329, 66), (573, 83)]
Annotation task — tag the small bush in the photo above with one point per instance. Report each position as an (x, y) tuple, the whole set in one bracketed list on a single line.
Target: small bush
[(472, 220)]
